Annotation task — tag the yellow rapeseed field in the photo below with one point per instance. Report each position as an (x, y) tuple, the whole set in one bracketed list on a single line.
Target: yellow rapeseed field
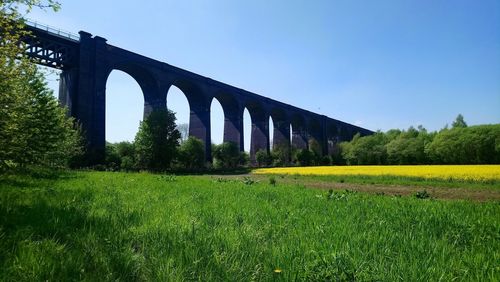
[(456, 172)]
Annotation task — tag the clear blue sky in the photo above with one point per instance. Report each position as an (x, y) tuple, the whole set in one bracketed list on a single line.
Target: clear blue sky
[(377, 64)]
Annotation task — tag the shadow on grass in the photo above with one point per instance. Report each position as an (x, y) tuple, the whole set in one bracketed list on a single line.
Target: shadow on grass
[(57, 236), (31, 176)]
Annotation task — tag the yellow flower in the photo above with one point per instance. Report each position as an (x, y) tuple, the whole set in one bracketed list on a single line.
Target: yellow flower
[(277, 270), (446, 172)]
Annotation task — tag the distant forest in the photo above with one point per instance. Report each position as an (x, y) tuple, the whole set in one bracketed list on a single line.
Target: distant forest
[(460, 144)]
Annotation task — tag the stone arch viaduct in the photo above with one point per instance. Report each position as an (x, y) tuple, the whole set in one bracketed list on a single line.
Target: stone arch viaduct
[(86, 62)]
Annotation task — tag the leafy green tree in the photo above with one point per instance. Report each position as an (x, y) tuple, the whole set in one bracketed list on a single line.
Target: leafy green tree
[(280, 155), (125, 149), (365, 150), (112, 158), (408, 147), (33, 128), (156, 141), (262, 158), (466, 145), (305, 157), (191, 154), (459, 122), (226, 155)]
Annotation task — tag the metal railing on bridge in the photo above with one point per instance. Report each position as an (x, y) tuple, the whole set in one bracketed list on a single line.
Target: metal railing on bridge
[(52, 30)]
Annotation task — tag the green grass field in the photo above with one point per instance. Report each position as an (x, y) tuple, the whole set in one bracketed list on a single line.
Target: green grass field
[(118, 226)]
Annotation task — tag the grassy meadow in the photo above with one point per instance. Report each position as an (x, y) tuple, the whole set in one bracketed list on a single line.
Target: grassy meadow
[(140, 226)]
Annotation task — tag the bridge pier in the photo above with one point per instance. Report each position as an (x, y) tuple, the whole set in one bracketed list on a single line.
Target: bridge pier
[(233, 126), (281, 136), (68, 88), (199, 124), (299, 138), (259, 139)]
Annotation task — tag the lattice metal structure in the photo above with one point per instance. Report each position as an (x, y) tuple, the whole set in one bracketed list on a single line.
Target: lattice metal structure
[(50, 49)]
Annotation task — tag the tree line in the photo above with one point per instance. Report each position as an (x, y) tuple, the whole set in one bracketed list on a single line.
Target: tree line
[(460, 144)]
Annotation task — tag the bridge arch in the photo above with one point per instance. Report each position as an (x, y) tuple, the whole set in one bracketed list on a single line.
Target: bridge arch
[(147, 82), (217, 118), (199, 112), (178, 103), (117, 125)]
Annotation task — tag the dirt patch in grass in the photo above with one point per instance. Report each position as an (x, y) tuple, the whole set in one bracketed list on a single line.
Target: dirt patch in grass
[(472, 194), (437, 193)]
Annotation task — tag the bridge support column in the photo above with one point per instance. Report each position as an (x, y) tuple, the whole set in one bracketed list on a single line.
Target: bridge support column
[(299, 138), (260, 134), (281, 136), (233, 126), (68, 87), (152, 104), (199, 124), (88, 107)]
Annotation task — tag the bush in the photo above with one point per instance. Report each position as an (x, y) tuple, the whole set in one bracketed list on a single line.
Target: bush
[(280, 155), (262, 158), (226, 155), (191, 154), (305, 157)]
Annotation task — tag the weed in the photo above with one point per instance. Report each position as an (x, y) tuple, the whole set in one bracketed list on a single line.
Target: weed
[(248, 181), (272, 181), (422, 195)]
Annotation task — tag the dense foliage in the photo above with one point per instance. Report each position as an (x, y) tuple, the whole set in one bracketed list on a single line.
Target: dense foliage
[(228, 155), (191, 154), (157, 140), (459, 145), (34, 130)]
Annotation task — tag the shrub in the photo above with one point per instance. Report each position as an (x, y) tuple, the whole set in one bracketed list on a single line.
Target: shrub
[(191, 154)]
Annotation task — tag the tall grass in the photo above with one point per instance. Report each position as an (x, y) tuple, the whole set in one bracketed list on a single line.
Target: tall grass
[(117, 226)]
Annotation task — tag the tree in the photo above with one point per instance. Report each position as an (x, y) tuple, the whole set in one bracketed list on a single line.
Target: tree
[(156, 141), (459, 122), (226, 155), (280, 154), (192, 154), (469, 145), (304, 157), (365, 150), (33, 128), (262, 158)]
